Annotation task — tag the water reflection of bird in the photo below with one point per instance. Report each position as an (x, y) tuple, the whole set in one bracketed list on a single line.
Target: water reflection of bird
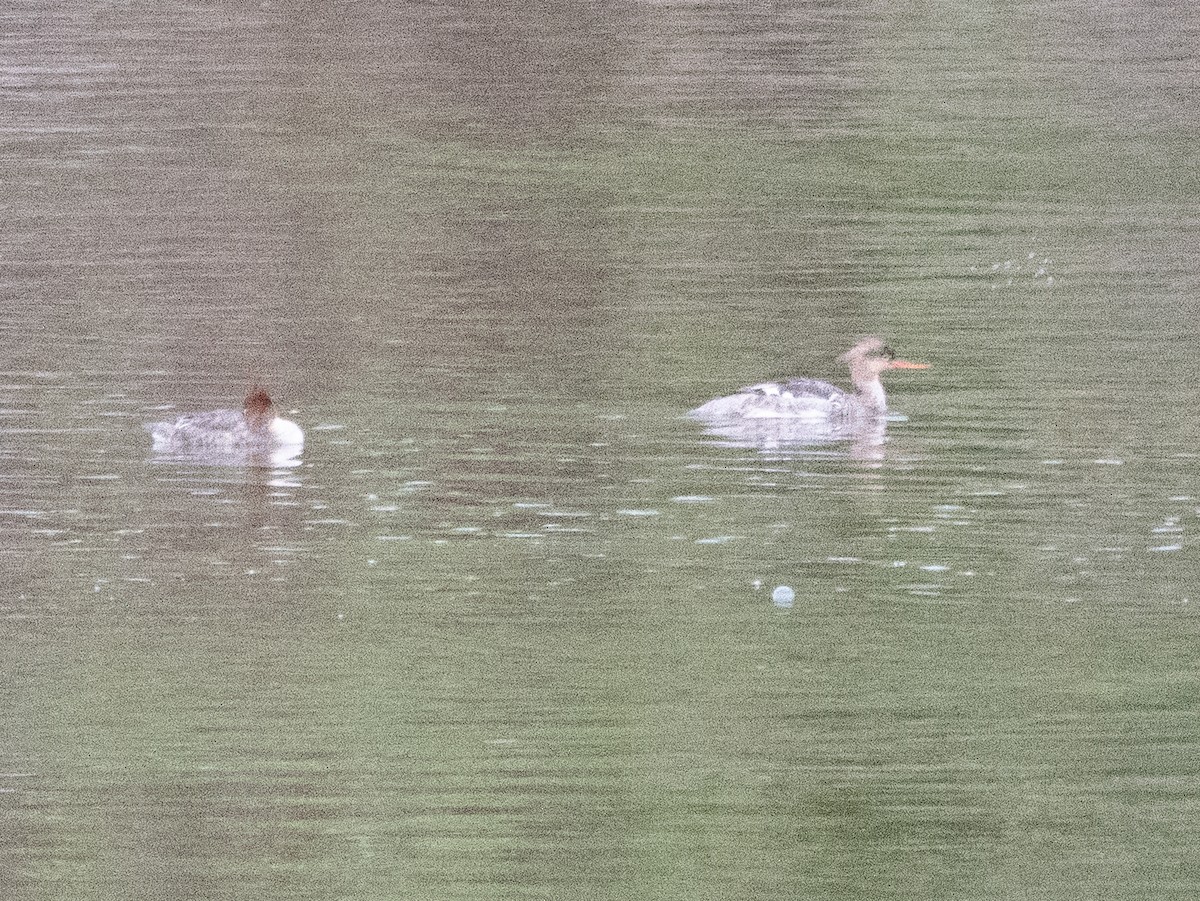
[(255, 429), (802, 400)]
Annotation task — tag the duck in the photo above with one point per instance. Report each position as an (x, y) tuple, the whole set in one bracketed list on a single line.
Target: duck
[(256, 428), (813, 400)]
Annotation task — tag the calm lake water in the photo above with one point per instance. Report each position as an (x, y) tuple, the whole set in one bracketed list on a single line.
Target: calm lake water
[(515, 628)]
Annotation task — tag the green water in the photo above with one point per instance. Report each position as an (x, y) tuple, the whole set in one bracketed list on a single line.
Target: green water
[(508, 632)]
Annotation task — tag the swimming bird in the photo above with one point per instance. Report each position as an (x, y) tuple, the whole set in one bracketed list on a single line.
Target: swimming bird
[(255, 429), (811, 399)]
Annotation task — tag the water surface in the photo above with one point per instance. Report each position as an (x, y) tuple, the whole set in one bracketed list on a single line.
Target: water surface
[(512, 629)]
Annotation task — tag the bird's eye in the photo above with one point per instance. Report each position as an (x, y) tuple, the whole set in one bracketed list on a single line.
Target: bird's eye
[(889, 353)]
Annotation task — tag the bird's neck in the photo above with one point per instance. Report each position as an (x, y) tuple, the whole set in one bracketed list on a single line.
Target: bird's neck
[(871, 393)]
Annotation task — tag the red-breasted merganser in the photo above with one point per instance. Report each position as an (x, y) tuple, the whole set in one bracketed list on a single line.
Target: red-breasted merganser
[(254, 429), (810, 399)]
